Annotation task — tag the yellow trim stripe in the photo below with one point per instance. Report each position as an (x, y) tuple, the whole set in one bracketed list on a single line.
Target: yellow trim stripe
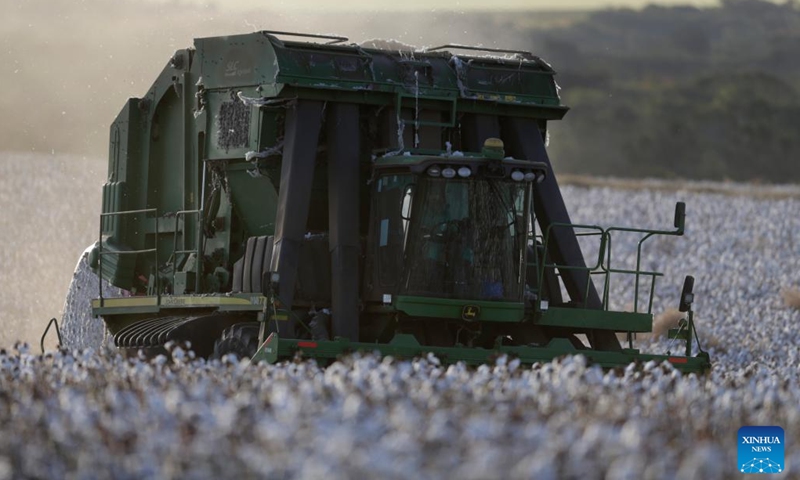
[(177, 301)]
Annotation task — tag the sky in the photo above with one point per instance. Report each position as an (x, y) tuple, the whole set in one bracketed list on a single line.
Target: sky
[(454, 5)]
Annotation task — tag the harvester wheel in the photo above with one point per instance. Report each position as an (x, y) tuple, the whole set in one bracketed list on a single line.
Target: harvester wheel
[(240, 339)]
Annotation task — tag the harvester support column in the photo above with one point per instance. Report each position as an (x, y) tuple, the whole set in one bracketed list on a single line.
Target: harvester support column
[(523, 139), (343, 210), (303, 124)]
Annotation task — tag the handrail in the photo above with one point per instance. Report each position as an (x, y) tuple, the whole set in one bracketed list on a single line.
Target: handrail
[(196, 251), (600, 255), (335, 38), (477, 49), (100, 251), (648, 234), (603, 265)]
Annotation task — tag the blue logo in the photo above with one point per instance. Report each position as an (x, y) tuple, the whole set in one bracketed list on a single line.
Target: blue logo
[(761, 450)]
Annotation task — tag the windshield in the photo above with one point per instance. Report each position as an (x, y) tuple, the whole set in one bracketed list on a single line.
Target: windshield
[(466, 239)]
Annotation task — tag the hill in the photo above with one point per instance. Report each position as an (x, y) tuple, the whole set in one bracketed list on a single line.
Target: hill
[(678, 92)]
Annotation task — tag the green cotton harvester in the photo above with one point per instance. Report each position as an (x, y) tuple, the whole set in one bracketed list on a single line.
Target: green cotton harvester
[(269, 198)]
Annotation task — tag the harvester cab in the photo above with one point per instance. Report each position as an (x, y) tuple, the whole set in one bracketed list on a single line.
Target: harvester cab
[(450, 229), (269, 197)]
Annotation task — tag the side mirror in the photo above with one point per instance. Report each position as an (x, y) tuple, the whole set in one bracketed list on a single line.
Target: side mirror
[(687, 294), (270, 284), (680, 216), (405, 202)]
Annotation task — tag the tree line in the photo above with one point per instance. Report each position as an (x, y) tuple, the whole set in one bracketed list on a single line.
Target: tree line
[(679, 92)]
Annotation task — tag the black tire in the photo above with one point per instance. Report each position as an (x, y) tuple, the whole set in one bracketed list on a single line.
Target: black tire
[(240, 339)]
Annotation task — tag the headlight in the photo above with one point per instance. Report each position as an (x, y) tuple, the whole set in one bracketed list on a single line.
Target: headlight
[(530, 176), (464, 172), (434, 171), (448, 172), (517, 176)]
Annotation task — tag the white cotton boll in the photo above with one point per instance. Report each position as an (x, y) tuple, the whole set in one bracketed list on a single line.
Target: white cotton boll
[(627, 467), (160, 360), (72, 412), (433, 360)]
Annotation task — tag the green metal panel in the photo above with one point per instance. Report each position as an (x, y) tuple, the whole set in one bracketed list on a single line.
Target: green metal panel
[(471, 104), (379, 76), (165, 162), (490, 311), (254, 198), (421, 75), (119, 194), (165, 165), (596, 319), (235, 61), (148, 168), (349, 67), (405, 346), (117, 269)]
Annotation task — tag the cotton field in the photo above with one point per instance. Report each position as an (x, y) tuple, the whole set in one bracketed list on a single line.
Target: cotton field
[(86, 413)]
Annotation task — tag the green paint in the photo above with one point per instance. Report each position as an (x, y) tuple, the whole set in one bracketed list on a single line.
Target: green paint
[(406, 347), (490, 311), (596, 319)]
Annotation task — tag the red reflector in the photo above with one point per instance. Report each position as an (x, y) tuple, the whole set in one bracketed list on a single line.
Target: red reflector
[(269, 339), (678, 360), (307, 344)]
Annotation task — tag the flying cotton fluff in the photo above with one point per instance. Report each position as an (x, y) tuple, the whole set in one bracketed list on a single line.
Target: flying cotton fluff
[(80, 330)]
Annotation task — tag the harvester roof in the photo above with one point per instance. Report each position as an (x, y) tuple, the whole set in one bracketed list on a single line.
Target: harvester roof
[(279, 68)]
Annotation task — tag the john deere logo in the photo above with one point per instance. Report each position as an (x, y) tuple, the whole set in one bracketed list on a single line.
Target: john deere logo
[(470, 312)]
